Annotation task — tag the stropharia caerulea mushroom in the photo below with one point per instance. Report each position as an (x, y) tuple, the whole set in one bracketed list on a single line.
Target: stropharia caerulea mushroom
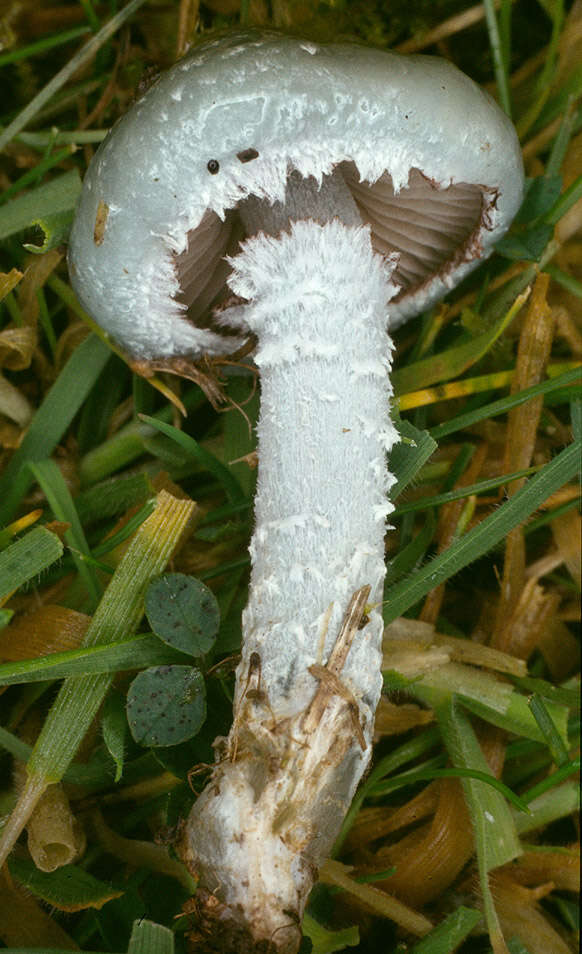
[(336, 191)]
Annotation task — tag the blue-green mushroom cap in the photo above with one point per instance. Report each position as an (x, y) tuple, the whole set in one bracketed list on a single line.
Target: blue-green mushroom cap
[(433, 164)]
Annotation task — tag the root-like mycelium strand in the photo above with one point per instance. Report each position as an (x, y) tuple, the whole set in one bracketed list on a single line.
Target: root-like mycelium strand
[(309, 679)]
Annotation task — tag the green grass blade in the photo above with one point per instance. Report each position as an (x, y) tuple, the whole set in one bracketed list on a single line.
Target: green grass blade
[(325, 941), (489, 810), (129, 442), (449, 364), (409, 556), (568, 198), (544, 83), (83, 56), (54, 487), (499, 63), (576, 416), (548, 728), (485, 535), (11, 743), (505, 404), (117, 616), (42, 46), (450, 933), (204, 458), (59, 196), (407, 457), (51, 420), (486, 696), (428, 775), (136, 652), (25, 559), (549, 807), (496, 839), (56, 188), (483, 486), (113, 497), (553, 780)]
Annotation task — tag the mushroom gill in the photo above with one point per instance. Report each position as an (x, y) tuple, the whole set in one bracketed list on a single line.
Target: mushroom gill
[(201, 268), (432, 228), (429, 226)]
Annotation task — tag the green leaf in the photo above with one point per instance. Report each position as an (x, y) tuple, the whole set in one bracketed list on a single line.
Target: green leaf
[(553, 780), (560, 695), (451, 932), (166, 705), (68, 888), (52, 230), (540, 195), (528, 246), (51, 420), (27, 558), (483, 486), (429, 774), (483, 537), (326, 942), (407, 457), (114, 730), (149, 938), (56, 198), (183, 613), (568, 198)]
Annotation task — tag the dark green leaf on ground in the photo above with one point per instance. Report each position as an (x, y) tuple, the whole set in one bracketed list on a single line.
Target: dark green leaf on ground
[(166, 705), (183, 613)]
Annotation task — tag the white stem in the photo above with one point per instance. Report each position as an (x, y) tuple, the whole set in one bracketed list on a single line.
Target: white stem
[(290, 766)]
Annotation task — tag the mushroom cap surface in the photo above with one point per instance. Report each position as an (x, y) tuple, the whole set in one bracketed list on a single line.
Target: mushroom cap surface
[(433, 163)]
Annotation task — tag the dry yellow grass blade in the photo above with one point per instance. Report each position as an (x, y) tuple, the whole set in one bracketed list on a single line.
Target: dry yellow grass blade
[(374, 899), (49, 629)]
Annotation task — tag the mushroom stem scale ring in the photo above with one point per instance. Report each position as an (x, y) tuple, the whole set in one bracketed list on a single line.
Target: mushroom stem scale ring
[(336, 191)]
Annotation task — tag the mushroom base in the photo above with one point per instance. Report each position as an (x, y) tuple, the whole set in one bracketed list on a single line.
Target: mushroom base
[(287, 787), (309, 678)]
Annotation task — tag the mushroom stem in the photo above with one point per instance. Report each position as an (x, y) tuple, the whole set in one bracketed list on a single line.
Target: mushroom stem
[(309, 678)]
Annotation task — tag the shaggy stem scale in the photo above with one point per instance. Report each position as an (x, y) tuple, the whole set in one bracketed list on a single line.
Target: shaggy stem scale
[(309, 679)]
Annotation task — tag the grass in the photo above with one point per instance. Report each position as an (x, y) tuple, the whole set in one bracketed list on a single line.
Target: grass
[(463, 836)]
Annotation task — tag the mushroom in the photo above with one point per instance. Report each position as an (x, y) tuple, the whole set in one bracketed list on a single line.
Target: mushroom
[(335, 190)]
